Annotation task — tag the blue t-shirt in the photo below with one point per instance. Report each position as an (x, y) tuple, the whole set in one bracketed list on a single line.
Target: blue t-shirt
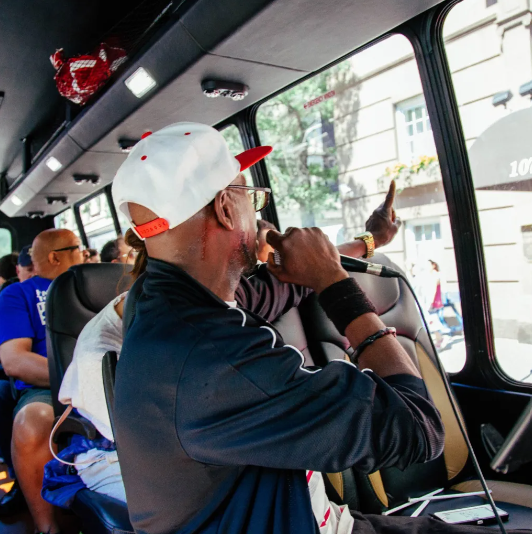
[(22, 314)]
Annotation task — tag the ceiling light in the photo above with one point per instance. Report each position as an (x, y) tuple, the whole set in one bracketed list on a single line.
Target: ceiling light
[(53, 164), (140, 82), (16, 200)]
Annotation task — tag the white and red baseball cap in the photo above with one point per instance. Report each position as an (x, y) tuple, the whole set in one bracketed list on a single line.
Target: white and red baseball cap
[(177, 171)]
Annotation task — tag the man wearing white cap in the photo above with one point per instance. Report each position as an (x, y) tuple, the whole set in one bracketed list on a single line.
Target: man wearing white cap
[(218, 423)]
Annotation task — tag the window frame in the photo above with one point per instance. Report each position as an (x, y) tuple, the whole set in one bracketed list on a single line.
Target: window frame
[(106, 191), (79, 228), (426, 34), (12, 236)]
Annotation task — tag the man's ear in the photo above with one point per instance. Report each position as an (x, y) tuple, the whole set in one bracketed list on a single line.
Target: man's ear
[(115, 261), (224, 209), (53, 258)]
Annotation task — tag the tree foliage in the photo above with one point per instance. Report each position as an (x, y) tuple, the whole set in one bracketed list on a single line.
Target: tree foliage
[(303, 170)]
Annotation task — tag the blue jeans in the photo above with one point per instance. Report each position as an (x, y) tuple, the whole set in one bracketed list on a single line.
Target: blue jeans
[(7, 405)]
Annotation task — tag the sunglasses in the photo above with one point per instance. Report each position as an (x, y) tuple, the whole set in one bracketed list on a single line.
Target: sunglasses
[(260, 196), (73, 247)]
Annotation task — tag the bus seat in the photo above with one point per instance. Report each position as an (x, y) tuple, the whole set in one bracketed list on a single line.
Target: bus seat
[(73, 299), (396, 307)]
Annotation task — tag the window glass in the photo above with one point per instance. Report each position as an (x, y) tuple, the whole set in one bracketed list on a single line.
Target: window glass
[(97, 221), (66, 220), (339, 138), (6, 244), (232, 136), (488, 46), (124, 223)]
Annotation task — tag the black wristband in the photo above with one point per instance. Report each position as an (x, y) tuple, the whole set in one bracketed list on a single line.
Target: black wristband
[(344, 302)]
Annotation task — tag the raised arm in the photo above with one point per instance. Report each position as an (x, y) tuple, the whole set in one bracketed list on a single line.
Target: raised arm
[(383, 223)]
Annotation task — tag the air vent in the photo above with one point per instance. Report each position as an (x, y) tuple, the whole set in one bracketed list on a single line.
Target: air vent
[(57, 200), (82, 179), (35, 214)]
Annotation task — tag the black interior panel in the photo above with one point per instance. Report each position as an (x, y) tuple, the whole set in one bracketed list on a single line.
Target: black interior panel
[(501, 409)]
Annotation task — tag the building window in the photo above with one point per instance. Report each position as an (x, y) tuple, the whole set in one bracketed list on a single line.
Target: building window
[(414, 131), (427, 232), (526, 231)]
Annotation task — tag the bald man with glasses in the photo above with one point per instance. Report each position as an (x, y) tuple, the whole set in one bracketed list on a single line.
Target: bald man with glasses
[(23, 357)]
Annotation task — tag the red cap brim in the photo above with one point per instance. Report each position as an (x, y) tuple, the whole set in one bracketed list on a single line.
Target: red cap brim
[(252, 156)]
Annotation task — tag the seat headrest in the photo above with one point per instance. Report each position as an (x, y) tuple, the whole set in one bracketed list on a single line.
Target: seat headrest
[(97, 284), (383, 292)]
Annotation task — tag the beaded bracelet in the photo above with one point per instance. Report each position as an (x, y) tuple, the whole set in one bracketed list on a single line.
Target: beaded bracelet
[(371, 339)]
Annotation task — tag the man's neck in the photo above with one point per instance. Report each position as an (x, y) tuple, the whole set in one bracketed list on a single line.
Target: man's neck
[(218, 276)]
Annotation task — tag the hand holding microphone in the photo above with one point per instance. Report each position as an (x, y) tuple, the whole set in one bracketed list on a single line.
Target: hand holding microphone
[(306, 257)]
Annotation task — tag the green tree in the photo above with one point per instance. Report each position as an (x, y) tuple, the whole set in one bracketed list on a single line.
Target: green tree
[(299, 179)]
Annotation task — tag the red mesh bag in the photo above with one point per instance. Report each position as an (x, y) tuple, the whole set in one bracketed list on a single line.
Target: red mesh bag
[(78, 78)]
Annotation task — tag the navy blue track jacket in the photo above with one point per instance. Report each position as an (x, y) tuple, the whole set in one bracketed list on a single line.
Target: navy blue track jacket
[(217, 420)]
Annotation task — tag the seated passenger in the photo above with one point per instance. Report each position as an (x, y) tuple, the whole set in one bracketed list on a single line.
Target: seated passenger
[(217, 419), (23, 357), (13, 501), (24, 268), (82, 385), (8, 269), (93, 256), (116, 251)]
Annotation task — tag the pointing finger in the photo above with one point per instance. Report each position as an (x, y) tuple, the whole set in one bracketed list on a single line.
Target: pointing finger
[(390, 196)]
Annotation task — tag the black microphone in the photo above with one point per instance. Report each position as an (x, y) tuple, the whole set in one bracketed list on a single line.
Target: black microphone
[(356, 266), (376, 269)]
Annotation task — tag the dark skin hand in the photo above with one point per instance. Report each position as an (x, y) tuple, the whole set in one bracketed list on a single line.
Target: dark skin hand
[(383, 222)]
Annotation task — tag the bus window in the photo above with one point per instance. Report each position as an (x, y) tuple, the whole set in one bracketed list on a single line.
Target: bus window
[(124, 223), (6, 242), (339, 138), (66, 220), (97, 221), (232, 136), (488, 47)]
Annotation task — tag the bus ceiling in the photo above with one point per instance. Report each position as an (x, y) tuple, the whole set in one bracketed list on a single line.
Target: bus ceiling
[(263, 44)]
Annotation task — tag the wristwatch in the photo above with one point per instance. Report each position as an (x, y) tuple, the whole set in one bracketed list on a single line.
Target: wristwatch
[(367, 237)]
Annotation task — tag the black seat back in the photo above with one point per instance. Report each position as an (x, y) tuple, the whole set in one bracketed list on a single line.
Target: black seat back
[(73, 299)]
